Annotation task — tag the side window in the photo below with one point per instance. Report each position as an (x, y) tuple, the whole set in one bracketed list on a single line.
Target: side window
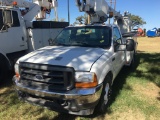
[(116, 35), (1, 20), (16, 22)]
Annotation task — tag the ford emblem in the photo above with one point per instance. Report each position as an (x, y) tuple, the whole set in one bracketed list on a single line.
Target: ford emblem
[(39, 77)]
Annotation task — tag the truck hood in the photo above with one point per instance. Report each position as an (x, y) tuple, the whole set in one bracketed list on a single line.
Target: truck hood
[(80, 58)]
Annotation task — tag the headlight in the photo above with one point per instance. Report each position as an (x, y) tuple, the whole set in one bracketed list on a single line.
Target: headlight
[(86, 80), (16, 68)]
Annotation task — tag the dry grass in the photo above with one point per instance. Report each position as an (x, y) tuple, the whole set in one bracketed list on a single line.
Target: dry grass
[(146, 44), (136, 93)]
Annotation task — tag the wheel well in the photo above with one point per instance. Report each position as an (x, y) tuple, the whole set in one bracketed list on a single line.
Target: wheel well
[(6, 61), (111, 75)]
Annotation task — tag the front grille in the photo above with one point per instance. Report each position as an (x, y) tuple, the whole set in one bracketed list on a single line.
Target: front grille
[(46, 77)]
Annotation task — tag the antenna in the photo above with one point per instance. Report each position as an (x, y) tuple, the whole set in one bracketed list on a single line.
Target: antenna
[(112, 2), (115, 2), (68, 13)]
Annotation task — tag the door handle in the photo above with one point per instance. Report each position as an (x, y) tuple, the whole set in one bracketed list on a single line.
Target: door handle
[(22, 38), (113, 59)]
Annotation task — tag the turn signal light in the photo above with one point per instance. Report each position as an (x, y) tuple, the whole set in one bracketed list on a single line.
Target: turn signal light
[(87, 84), (17, 76)]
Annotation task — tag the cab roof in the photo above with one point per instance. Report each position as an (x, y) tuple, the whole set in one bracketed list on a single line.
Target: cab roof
[(97, 24)]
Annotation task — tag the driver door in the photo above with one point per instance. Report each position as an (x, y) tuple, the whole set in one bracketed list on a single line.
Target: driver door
[(118, 56)]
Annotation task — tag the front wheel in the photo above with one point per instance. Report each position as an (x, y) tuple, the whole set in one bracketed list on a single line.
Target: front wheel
[(3, 69), (105, 96)]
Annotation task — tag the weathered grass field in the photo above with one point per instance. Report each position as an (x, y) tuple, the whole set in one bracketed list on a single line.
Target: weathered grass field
[(149, 45), (136, 93)]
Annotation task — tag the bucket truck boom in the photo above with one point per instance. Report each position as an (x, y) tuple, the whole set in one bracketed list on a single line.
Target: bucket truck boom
[(98, 10), (35, 9)]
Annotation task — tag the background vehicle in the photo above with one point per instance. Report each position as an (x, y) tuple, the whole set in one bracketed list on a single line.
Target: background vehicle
[(75, 75), (152, 33), (19, 35), (141, 32)]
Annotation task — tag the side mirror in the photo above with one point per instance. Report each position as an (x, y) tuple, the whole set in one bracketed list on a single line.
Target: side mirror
[(116, 45), (130, 44), (7, 18)]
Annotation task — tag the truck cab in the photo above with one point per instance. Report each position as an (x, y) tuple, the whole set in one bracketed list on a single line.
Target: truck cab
[(76, 72), (11, 40)]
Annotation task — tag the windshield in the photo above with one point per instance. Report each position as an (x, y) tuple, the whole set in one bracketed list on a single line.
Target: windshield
[(94, 36)]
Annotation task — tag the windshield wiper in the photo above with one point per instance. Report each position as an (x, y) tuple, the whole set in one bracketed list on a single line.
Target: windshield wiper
[(83, 43), (62, 44)]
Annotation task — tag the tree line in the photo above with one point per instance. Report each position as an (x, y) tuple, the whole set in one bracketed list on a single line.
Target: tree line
[(137, 21)]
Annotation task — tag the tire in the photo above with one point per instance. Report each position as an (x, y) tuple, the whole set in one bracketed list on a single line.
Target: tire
[(105, 96), (132, 65), (3, 68)]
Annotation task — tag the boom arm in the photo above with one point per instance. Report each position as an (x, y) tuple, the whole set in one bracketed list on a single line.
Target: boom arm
[(47, 5), (98, 10), (32, 9), (20, 3), (36, 8)]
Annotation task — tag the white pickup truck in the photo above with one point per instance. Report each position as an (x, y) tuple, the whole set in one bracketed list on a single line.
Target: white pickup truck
[(75, 75)]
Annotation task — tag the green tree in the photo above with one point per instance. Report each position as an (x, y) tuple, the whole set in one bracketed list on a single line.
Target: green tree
[(81, 19), (137, 20), (60, 20)]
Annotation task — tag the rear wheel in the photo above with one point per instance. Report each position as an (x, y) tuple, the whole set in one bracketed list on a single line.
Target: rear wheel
[(132, 65), (105, 96), (3, 68)]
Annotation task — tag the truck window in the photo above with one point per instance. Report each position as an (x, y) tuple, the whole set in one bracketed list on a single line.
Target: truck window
[(1, 20), (95, 36), (117, 35), (16, 22)]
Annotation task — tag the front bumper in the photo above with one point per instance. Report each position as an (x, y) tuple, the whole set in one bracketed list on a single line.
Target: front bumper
[(76, 101)]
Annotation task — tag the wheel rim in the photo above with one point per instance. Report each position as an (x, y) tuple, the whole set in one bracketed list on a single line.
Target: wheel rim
[(106, 93)]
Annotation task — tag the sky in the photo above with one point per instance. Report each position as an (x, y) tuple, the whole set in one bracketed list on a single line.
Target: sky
[(149, 10)]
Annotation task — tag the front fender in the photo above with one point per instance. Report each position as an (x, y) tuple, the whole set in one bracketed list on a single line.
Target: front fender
[(102, 67)]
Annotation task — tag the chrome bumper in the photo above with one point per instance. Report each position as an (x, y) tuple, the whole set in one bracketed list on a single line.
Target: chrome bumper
[(84, 100)]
